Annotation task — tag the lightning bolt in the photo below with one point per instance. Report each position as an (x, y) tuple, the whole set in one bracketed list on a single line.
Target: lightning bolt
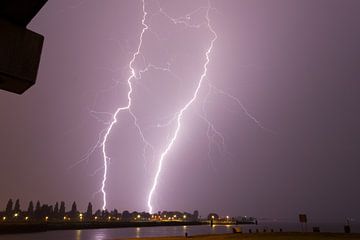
[(106, 158), (186, 106), (212, 133)]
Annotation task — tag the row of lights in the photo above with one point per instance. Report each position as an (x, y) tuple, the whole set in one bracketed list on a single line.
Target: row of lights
[(81, 216), (227, 217)]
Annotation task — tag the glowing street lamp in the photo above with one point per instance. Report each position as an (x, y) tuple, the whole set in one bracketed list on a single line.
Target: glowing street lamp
[(26, 218), (96, 217), (138, 216), (16, 215), (184, 216), (46, 218), (4, 218)]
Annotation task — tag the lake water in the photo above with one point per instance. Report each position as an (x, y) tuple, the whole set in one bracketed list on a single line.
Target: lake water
[(106, 234)]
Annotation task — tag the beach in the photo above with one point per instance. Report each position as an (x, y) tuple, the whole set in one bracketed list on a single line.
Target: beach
[(266, 236)]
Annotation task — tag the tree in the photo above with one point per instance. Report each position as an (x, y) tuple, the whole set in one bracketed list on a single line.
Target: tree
[(126, 215), (98, 213), (17, 206), (56, 210), (37, 212), (9, 207), (62, 209), (30, 209), (38, 206), (45, 210), (89, 210), (73, 208)]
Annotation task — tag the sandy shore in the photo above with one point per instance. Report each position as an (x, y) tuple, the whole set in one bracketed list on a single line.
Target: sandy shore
[(267, 236)]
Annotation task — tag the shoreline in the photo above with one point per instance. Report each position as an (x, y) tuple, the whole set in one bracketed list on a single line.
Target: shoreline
[(260, 236)]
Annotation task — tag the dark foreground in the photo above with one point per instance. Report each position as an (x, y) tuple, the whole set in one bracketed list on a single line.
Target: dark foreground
[(268, 236), (12, 228)]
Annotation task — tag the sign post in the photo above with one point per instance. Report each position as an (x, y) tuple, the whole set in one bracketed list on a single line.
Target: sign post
[(303, 222)]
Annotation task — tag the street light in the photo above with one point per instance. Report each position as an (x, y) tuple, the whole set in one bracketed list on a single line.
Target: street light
[(26, 218), (16, 214)]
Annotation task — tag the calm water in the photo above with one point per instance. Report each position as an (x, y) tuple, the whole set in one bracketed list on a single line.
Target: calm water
[(105, 234)]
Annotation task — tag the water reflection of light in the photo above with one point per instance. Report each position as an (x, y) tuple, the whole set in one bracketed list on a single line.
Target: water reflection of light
[(100, 235), (138, 232), (78, 234)]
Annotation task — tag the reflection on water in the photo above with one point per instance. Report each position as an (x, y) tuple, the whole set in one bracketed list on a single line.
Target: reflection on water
[(108, 234), (78, 234), (138, 232), (99, 234)]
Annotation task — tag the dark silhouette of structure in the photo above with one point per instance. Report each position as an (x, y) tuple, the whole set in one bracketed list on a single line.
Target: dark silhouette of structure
[(20, 48)]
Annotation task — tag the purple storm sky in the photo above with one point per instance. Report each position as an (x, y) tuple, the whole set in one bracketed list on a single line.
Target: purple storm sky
[(293, 64)]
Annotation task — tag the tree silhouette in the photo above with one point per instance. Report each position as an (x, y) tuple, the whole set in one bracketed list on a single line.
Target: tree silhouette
[(17, 206), (73, 207), (89, 210), (73, 212), (56, 210), (62, 209), (37, 212), (30, 210), (9, 207), (126, 215)]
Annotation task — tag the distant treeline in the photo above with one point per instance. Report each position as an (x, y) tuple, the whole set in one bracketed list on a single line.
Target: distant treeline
[(57, 212)]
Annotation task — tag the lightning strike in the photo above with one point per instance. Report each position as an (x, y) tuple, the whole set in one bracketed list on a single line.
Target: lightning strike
[(184, 109), (125, 108), (242, 107), (213, 134)]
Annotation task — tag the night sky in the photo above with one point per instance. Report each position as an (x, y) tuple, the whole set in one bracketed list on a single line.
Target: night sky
[(294, 65)]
